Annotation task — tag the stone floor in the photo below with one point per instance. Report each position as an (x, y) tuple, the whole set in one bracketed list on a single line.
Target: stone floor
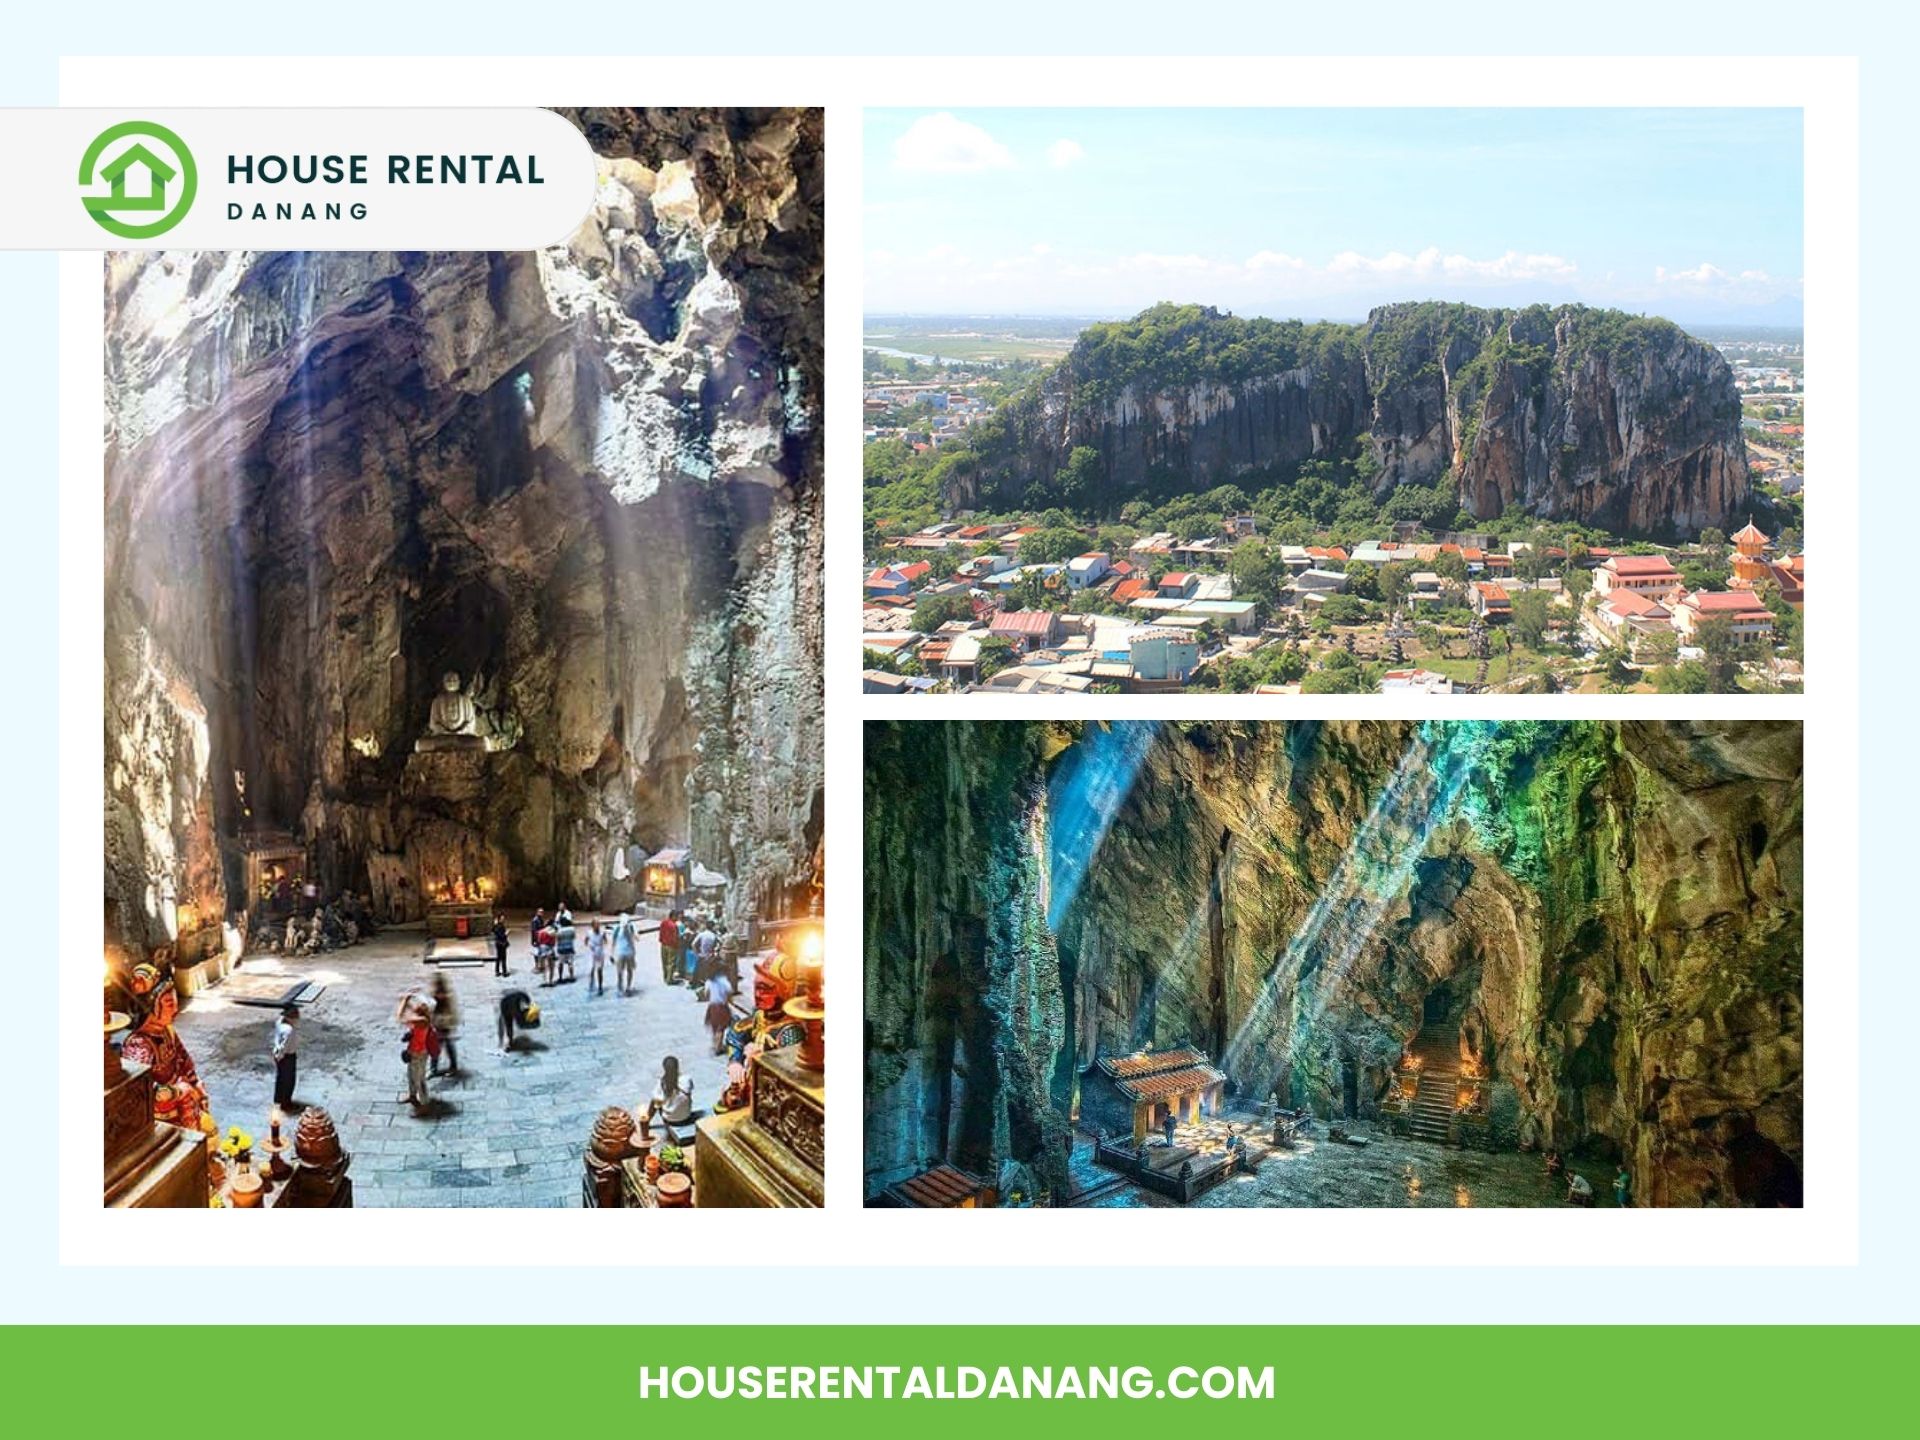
[(510, 1129), (1387, 1172)]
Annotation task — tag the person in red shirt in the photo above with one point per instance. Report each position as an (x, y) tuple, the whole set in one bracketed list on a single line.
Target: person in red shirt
[(669, 945), (421, 1045)]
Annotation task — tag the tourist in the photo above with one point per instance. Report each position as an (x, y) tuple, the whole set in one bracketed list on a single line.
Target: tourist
[(538, 924), (500, 946), (543, 954), (704, 946), (1168, 1126), (719, 1015), (623, 949), (563, 943), (669, 946), (516, 1010), (1553, 1164), (446, 1019), (672, 1100), (418, 1047), (1622, 1186), (597, 959), (286, 1055), (1579, 1190)]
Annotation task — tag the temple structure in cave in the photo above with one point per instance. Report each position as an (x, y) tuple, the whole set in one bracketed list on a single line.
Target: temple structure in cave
[(1335, 963), (445, 587)]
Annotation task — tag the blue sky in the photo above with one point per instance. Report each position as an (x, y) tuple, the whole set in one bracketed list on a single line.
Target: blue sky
[(1693, 214)]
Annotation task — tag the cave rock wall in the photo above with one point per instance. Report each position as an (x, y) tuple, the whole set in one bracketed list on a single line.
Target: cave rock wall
[(587, 479)]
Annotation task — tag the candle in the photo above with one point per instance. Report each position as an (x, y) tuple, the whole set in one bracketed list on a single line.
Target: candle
[(273, 1124)]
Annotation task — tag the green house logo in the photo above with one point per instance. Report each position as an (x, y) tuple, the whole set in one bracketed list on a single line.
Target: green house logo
[(149, 183)]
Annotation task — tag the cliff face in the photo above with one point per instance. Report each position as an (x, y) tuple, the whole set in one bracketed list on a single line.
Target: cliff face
[(964, 1012), (587, 479), (1610, 915), (1624, 423)]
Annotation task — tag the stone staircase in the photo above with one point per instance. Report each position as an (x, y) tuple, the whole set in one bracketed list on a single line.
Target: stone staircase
[(1430, 1116)]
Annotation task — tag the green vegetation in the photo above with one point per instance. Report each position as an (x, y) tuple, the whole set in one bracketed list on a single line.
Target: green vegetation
[(1173, 346)]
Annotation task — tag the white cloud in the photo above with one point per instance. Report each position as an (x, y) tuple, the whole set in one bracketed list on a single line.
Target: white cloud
[(1707, 281), (1043, 277), (944, 144), (1063, 153), (1431, 263)]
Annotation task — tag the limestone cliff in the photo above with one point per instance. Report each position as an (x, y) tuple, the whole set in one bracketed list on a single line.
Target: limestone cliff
[(1621, 422), (1610, 914), (588, 477)]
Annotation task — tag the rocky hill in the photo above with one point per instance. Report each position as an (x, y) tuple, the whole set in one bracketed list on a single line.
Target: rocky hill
[(1618, 421)]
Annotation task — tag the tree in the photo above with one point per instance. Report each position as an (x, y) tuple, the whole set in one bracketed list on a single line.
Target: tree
[(1029, 592), (944, 562), (1257, 572), (1451, 565), (1620, 671), (1578, 582), (1720, 654), (1051, 545), (1392, 580), (996, 653), (933, 611), (1662, 647), (1530, 617), (1689, 677)]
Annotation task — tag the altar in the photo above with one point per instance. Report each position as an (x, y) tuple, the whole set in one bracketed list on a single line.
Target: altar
[(772, 1156), (150, 1165)]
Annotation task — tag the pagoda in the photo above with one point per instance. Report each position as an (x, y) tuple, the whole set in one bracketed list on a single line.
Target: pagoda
[(1749, 558)]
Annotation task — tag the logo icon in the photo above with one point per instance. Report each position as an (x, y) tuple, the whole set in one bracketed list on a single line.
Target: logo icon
[(150, 178)]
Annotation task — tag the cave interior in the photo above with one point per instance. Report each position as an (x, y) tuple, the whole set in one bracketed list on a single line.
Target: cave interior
[(1576, 937), (486, 574)]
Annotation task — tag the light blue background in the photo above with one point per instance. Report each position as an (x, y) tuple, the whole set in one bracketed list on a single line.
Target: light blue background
[(1881, 1288)]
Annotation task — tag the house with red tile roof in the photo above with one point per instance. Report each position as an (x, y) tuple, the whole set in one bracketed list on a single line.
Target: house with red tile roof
[(1631, 613), (1490, 601), (1649, 574), (1027, 629), (1742, 609)]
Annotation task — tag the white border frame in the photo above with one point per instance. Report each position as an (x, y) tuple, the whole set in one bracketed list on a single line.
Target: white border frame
[(1825, 1232)]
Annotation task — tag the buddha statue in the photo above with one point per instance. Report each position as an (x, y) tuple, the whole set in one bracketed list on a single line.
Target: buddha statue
[(468, 717), (453, 720)]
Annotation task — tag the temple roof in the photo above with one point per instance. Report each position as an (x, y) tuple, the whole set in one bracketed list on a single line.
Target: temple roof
[(1170, 1082), (1152, 1062), (941, 1188)]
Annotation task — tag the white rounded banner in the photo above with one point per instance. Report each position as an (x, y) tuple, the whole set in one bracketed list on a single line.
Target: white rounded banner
[(351, 179)]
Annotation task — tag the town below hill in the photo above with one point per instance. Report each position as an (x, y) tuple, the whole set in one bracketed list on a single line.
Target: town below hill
[(1044, 606)]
